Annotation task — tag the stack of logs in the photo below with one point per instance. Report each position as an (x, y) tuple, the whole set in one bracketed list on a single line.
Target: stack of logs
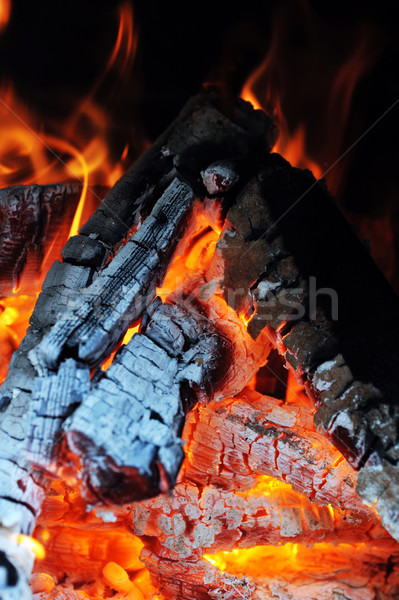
[(258, 471)]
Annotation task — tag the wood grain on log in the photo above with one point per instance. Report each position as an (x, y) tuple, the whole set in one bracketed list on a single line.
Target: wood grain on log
[(288, 259), (231, 442), (192, 521), (97, 320), (325, 572)]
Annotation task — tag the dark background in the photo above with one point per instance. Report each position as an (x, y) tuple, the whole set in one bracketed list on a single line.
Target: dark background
[(54, 52)]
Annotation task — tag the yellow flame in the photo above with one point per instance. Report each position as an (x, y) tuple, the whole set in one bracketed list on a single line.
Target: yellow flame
[(32, 545)]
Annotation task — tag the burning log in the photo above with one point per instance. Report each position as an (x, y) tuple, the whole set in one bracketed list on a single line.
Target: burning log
[(293, 572), (93, 325), (127, 429), (199, 581), (350, 371), (192, 521), (232, 442), (207, 130)]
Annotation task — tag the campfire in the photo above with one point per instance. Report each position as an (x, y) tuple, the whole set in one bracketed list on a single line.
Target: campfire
[(204, 404)]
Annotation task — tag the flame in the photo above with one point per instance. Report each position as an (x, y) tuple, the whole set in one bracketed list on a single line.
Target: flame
[(195, 252), (290, 145), (128, 335), (307, 83), (32, 545), (14, 321), (5, 12), (322, 560), (76, 149)]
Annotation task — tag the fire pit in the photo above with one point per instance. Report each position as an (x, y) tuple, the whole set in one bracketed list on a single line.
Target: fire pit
[(204, 404)]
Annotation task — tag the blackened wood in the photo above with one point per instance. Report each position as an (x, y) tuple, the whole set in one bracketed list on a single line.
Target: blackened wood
[(33, 219), (94, 323), (206, 130), (84, 308), (290, 256)]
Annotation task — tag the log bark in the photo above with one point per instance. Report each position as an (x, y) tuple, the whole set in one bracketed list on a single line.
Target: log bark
[(233, 441), (287, 259)]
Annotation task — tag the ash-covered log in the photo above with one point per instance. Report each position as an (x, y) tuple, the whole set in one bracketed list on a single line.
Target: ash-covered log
[(289, 261), (324, 572), (122, 427), (127, 430)]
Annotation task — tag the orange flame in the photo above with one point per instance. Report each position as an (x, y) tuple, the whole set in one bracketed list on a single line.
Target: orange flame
[(195, 252), (5, 12), (307, 83), (77, 149)]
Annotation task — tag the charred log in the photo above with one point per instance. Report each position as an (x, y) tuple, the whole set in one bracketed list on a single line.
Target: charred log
[(283, 237), (122, 426), (324, 572), (105, 282), (208, 129), (31, 218)]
